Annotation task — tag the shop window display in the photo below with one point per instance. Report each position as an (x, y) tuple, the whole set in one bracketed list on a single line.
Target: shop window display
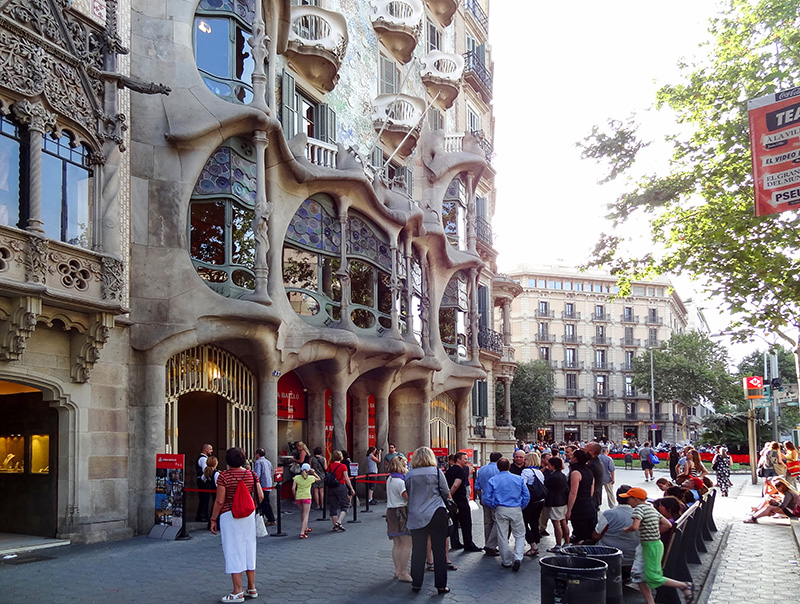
[(12, 454)]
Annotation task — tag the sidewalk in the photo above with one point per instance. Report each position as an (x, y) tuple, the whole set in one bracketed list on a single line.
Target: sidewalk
[(356, 566), (758, 563)]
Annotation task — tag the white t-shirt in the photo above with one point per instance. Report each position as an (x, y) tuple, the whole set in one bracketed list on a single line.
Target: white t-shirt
[(395, 487), (529, 473)]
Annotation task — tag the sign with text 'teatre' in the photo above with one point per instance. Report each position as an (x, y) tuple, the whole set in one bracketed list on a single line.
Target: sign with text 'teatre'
[(775, 145)]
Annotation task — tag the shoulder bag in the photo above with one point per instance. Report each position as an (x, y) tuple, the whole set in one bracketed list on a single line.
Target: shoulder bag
[(537, 490)]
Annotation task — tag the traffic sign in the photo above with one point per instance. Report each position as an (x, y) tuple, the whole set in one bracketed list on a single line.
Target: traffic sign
[(753, 382), (654, 426)]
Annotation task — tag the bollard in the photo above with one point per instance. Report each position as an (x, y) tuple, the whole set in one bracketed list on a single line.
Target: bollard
[(355, 519), (366, 490), (280, 532), (324, 501)]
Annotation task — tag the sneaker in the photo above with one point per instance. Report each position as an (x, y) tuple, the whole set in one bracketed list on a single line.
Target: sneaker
[(515, 566)]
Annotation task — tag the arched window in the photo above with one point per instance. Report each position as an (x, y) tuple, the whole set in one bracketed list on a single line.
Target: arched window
[(221, 50), (221, 214), (67, 184), (454, 214), (311, 258), (453, 317), (411, 290)]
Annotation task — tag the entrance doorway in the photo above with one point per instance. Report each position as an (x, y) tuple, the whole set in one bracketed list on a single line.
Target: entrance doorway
[(28, 462), (572, 434)]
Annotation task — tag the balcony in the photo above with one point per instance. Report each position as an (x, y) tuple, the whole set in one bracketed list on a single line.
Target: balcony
[(629, 319), (572, 339), (568, 392), (544, 337), (321, 153), (441, 73), (477, 12), (545, 314), (484, 144), (578, 365), (652, 343), (603, 393), (626, 367), (483, 231), (602, 366), (397, 117), (601, 341), (653, 320), (398, 24), (478, 75), (550, 362), (317, 45), (570, 316), (490, 340), (601, 316), (443, 10), (631, 393), (630, 342), (454, 143), (54, 283), (631, 416), (662, 417)]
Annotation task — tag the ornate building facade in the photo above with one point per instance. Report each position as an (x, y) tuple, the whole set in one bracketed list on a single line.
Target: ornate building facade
[(572, 320), (244, 223)]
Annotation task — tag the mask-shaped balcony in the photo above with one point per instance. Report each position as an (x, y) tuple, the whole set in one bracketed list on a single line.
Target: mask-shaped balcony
[(441, 73), (317, 45), (443, 10), (398, 24), (398, 119)]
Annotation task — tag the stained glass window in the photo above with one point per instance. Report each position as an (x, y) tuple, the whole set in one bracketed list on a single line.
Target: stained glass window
[(315, 226)]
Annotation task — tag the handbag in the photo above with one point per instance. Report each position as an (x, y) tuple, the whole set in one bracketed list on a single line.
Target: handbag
[(261, 528), (654, 459), (294, 467), (452, 508), (243, 504), (537, 490), (793, 468)]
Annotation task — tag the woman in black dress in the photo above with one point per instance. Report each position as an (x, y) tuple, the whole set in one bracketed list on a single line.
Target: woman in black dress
[(581, 511), (674, 458)]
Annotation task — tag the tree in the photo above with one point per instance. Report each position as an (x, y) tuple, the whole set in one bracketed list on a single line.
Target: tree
[(730, 429), (753, 364), (690, 368), (531, 396), (700, 209)]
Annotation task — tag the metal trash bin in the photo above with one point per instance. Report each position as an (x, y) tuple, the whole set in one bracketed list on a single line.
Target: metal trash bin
[(611, 556), (573, 580)]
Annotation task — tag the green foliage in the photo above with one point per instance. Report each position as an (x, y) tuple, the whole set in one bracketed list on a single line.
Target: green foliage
[(701, 210), (730, 429), (691, 368), (531, 396), (753, 364)]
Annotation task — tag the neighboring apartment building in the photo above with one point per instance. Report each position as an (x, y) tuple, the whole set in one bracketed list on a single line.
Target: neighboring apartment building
[(243, 223), (571, 319)]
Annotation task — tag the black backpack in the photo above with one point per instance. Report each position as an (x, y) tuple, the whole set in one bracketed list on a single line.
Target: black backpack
[(537, 490), (331, 481)]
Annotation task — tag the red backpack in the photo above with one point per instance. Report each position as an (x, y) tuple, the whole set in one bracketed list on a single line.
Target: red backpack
[(243, 504)]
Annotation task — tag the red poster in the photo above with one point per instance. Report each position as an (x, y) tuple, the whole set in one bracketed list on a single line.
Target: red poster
[(775, 148), (169, 489), (328, 423), (291, 397), (371, 421)]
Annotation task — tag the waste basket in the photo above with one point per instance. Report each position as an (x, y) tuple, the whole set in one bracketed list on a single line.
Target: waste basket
[(628, 461), (611, 556), (573, 580)]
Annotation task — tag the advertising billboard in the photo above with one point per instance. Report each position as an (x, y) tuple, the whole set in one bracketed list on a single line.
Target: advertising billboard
[(775, 145)]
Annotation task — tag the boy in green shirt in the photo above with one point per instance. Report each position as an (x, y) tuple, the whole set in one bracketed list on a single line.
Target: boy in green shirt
[(645, 520)]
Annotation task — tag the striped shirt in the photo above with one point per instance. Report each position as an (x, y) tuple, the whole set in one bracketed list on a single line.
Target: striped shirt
[(648, 526)]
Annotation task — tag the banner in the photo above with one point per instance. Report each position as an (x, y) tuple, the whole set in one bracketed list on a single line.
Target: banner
[(169, 489), (775, 147)]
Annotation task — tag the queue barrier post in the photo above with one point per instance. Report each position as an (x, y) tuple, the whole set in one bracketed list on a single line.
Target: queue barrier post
[(367, 482), (355, 519), (278, 516), (324, 500)]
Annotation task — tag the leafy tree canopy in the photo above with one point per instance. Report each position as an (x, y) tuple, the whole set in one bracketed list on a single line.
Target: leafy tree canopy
[(753, 364), (531, 396), (700, 209), (691, 368)]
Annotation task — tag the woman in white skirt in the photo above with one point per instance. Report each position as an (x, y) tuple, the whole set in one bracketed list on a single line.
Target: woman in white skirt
[(238, 534)]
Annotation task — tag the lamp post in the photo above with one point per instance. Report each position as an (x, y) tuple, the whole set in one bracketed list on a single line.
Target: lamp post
[(652, 401)]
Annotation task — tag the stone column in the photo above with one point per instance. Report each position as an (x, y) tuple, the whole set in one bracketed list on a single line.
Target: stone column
[(153, 440), (360, 419), (382, 422), (39, 121), (507, 399), (268, 416), (260, 224), (473, 316), (316, 419), (339, 412), (472, 230), (507, 322), (463, 416)]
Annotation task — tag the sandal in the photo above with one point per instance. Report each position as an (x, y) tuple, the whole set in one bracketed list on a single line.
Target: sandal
[(303, 536), (251, 593), (233, 597), (531, 553), (451, 566), (309, 529), (429, 566), (750, 521), (443, 590), (690, 596)]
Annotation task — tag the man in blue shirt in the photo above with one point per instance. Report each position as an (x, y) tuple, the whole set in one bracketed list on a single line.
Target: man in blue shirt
[(507, 494), (485, 474)]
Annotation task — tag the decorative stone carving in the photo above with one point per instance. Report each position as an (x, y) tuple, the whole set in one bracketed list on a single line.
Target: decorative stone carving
[(35, 261), (34, 115), (18, 327), (85, 347), (111, 278)]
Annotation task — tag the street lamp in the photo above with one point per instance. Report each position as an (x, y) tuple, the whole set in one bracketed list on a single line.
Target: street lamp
[(652, 401)]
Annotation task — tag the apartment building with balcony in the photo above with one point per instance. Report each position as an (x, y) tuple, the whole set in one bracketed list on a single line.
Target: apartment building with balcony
[(573, 320), (243, 223)]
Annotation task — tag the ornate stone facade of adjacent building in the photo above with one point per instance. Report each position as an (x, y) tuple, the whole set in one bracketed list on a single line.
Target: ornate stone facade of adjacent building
[(243, 223), (572, 320)]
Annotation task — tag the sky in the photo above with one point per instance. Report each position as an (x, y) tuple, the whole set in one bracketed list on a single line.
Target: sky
[(559, 69)]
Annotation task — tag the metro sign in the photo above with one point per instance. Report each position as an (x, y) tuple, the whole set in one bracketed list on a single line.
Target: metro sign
[(753, 387)]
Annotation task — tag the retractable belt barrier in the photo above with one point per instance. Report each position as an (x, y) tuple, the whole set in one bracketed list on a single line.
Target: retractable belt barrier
[(280, 533)]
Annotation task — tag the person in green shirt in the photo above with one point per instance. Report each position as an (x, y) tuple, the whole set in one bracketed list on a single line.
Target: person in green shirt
[(645, 520), (301, 487)]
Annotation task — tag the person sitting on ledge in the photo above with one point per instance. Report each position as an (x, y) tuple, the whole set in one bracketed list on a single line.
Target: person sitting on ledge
[(784, 504)]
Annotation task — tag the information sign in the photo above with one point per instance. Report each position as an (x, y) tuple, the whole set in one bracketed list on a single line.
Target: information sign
[(169, 489)]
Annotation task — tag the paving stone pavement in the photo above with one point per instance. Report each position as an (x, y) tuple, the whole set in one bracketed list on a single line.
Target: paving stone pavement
[(354, 566)]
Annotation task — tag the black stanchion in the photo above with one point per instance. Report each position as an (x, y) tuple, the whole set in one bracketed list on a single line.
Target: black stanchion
[(355, 519), (324, 501), (366, 509), (280, 532)]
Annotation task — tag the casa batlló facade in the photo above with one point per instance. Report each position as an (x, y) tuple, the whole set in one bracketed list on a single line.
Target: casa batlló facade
[(243, 223)]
